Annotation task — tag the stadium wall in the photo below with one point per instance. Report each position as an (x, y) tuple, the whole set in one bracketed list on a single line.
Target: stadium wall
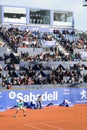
[(9, 98)]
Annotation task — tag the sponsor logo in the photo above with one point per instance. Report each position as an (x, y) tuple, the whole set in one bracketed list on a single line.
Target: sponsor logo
[(32, 97), (83, 94), (83, 97)]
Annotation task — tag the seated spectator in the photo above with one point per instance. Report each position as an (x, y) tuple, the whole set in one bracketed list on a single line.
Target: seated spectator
[(3, 84), (0, 67), (9, 86), (32, 105), (66, 103)]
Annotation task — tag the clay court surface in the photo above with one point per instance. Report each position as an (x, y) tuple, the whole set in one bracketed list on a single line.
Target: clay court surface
[(48, 118)]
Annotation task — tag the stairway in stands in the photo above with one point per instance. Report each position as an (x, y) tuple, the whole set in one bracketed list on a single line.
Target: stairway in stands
[(5, 44), (60, 47)]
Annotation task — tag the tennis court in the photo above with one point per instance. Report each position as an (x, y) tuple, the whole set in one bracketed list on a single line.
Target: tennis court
[(48, 118)]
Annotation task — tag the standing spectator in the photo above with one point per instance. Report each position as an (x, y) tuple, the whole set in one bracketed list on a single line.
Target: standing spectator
[(39, 102)]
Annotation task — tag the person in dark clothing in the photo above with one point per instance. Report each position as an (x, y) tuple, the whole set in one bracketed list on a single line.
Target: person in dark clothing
[(64, 103), (32, 105), (39, 102)]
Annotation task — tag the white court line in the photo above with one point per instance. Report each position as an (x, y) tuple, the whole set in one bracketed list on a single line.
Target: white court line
[(53, 121), (58, 128), (28, 125)]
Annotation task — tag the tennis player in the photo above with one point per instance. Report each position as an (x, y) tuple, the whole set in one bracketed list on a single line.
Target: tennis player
[(20, 107)]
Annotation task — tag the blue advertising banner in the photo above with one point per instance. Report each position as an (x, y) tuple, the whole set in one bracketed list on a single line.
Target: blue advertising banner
[(3, 99), (9, 98), (79, 95)]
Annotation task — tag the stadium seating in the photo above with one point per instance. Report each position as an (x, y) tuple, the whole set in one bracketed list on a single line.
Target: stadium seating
[(43, 62)]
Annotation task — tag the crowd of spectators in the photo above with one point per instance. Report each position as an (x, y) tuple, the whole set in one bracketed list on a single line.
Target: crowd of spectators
[(36, 71)]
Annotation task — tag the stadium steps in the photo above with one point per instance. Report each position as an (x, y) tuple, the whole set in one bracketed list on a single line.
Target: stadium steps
[(5, 44), (61, 48)]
